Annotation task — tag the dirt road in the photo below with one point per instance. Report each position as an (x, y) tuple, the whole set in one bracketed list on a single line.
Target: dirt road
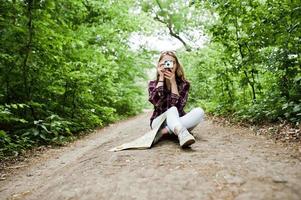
[(224, 163)]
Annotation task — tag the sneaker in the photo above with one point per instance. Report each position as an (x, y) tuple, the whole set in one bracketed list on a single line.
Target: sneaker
[(185, 138)]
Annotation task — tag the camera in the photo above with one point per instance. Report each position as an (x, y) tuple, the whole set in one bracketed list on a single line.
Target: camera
[(168, 64)]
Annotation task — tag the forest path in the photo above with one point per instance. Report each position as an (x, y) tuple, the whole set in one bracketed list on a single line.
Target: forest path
[(224, 163)]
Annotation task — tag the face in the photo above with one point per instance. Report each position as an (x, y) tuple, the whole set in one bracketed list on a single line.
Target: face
[(168, 57)]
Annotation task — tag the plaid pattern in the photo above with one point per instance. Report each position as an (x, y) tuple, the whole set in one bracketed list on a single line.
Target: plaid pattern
[(162, 98)]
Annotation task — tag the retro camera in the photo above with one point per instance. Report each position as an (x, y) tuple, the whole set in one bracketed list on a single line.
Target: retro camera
[(168, 64)]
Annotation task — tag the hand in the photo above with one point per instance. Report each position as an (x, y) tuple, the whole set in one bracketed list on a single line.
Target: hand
[(161, 70), (170, 75)]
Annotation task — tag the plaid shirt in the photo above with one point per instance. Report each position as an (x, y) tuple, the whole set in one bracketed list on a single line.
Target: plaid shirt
[(162, 98)]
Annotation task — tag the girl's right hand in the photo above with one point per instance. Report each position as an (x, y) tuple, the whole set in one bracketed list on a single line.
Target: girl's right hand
[(161, 70)]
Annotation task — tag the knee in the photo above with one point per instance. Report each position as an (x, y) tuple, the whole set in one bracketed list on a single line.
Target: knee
[(199, 112), (173, 108)]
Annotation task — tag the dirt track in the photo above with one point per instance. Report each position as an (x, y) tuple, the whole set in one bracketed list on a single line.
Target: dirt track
[(224, 163)]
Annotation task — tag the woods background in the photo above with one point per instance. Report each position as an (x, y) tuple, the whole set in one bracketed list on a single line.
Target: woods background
[(66, 66)]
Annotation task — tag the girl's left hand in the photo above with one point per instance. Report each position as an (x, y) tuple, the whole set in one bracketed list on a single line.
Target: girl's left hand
[(170, 75)]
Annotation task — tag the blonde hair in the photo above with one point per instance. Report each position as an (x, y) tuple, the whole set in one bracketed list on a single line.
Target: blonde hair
[(179, 72)]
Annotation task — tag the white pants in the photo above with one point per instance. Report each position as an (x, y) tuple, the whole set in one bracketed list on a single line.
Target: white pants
[(190, 120)]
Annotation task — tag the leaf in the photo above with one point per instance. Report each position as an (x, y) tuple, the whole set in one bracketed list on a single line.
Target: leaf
[(43, 136), (44, 127)]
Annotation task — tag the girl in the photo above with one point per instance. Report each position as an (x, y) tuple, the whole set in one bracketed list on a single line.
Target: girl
[(169, 93)]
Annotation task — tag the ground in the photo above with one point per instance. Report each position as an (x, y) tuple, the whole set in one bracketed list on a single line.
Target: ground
[(224, 163)]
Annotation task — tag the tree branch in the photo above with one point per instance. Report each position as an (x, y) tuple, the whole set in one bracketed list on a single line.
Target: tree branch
[(168, 24)]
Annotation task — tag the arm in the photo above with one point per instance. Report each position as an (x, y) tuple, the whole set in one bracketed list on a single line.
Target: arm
[(174, 88), (155, 92), (160, 83), (179, 100)]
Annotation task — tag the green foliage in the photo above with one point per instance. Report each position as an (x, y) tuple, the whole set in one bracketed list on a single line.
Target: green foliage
[(65, 67), (251, 69)]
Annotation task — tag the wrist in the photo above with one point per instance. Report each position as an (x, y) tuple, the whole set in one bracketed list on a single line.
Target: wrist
[(173, 82)]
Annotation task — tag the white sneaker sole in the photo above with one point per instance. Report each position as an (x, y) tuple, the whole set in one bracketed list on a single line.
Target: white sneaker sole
[(188, 143)]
